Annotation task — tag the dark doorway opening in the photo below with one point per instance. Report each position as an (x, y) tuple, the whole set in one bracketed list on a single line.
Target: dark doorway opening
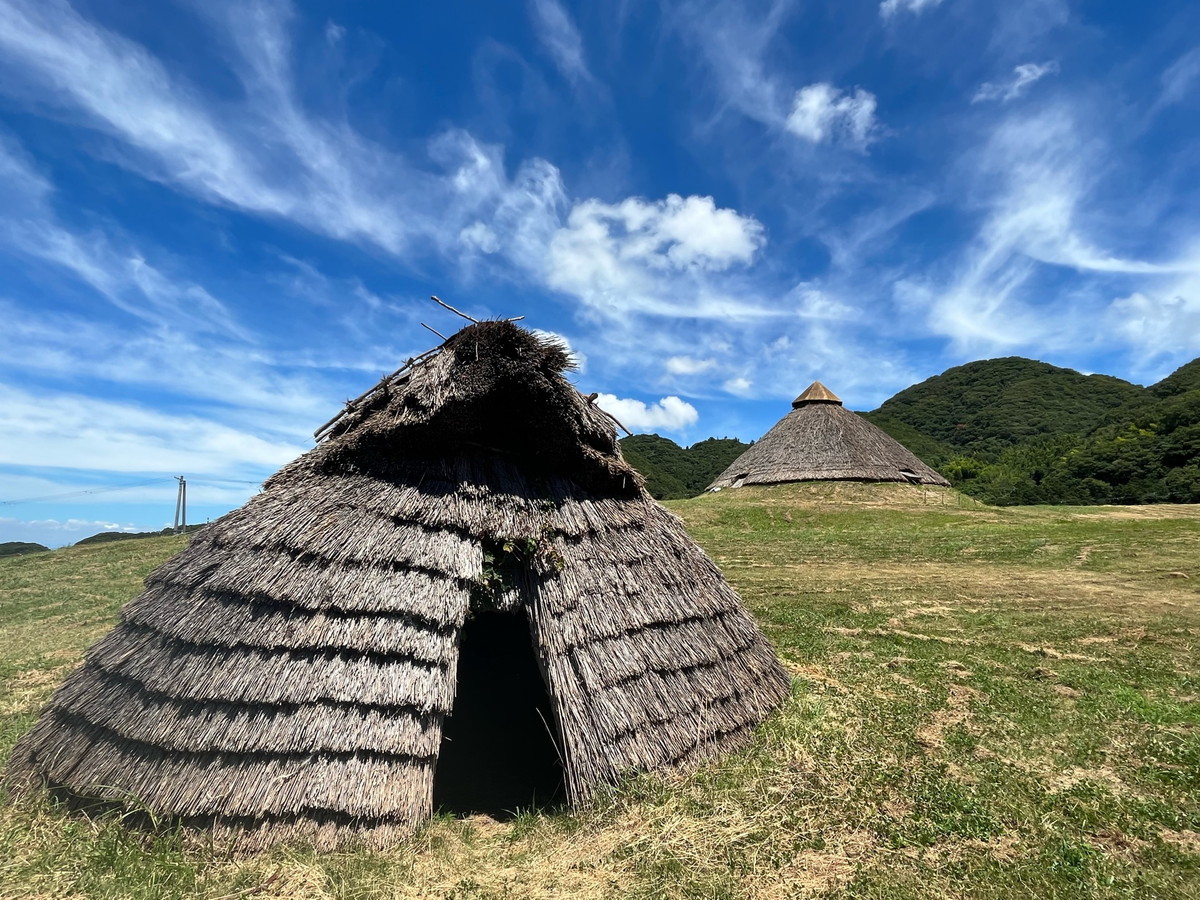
[(499, 752)]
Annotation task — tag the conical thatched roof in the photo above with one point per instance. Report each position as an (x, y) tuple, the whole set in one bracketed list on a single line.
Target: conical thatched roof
[(291, 671), (816, 393), (819, 440)]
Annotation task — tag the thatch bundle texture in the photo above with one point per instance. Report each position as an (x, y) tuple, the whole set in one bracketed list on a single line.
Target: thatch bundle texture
[(296, 668), (820, 440)]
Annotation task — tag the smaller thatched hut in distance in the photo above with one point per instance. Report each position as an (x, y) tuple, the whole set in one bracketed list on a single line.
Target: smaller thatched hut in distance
[(820, 440)]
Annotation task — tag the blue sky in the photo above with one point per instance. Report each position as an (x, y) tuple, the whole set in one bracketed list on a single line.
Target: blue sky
[(218, 220)]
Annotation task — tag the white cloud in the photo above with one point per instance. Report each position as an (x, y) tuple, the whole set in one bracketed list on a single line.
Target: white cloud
[(90, 525), (1024, 76), (811, 302), (688, 365), (80, 432), (889, 8), (1162, 321), (1039, 171), (120, 87), (733, 41), (481, 237), (821, 112), (654, 257), (561, 39), (669, 413), (528, 213), (739, 385), (227, 379), (675, 233)]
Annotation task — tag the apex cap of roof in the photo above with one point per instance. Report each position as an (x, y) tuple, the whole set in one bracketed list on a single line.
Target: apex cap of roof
[(817, 393)]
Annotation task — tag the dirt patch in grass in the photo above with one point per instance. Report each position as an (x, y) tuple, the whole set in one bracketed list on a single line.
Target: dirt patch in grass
[(894, 632), (1052, 653), (1153, 511), (815, 872), (814, 674), (957, 712), (1103, 776), (479, 857), (1184, 840)]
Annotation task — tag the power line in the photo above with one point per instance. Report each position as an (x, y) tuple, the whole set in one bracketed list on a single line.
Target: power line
[(99, 490), (67, 495)]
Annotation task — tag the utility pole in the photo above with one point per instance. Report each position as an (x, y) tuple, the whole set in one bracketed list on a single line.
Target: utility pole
[(180, 506)]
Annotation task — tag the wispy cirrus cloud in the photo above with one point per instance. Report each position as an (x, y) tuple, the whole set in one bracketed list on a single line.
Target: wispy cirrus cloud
[(890, 8), (115, 269), (1024, 76), (688, 365), (1037, 177), (732, 43), (267, 154), (1179, 79), (560, 39), (79, 431)]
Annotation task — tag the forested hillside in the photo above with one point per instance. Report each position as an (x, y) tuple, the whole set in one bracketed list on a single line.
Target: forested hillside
[(20, 548), (986, 406), (1010, 431), (1016, 430), (673, 472)]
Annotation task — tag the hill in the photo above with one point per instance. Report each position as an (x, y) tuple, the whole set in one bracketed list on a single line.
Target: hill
[(106, 537), (986, 406), (20, 548), (673, 472), (1018, 431), (1185, 378)]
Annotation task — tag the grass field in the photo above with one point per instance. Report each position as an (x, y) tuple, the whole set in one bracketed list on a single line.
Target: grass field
[(988, 703)]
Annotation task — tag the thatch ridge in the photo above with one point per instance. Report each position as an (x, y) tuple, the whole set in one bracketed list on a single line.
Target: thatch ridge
[(289, 673), (819, 440)]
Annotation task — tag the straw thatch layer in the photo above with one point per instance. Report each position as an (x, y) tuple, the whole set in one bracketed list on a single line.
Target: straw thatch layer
[(289, 673), (819, 440)]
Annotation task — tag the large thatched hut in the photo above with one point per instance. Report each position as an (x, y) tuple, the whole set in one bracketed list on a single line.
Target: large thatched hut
[(820, 440), (461, 596)]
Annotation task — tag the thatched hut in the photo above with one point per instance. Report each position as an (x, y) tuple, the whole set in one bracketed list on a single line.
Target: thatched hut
[(820, 440), (461, 596)]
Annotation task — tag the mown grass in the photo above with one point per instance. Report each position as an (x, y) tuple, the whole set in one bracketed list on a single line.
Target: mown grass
[(988, 704)]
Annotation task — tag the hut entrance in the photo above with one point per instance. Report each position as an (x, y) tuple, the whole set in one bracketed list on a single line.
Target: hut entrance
[(498, 752)]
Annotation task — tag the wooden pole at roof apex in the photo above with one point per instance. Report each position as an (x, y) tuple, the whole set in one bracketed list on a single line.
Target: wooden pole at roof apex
[(434, 330), (458, 312)]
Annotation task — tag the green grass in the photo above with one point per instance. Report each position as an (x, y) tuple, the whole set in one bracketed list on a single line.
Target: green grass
[(988, 704)]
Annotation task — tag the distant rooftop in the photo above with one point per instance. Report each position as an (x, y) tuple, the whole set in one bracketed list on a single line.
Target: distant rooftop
[(817, 393)]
